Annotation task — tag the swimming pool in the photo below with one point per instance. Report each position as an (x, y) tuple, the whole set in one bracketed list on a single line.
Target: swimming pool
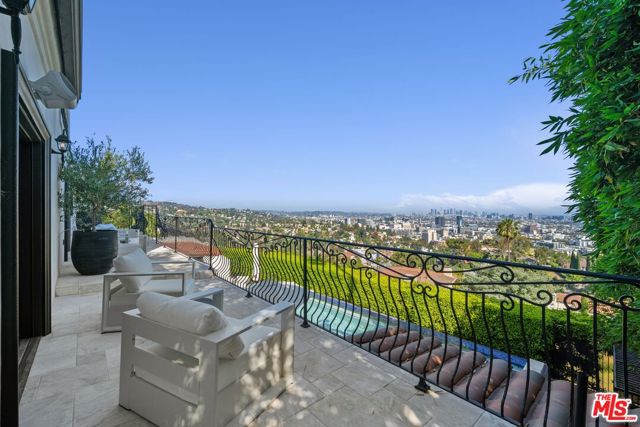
[(344, 320)]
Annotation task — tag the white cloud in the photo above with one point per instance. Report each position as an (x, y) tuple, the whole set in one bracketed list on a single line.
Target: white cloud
[(540, 197)]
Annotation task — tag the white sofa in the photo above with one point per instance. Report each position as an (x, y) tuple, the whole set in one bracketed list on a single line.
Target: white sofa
[(183, 380), (121, 289)]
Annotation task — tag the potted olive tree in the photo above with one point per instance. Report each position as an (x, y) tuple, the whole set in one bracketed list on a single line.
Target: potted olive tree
[(99, 178)]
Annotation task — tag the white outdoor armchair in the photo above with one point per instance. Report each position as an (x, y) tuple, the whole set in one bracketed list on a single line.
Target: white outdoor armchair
[(117, 297), (183, 380)]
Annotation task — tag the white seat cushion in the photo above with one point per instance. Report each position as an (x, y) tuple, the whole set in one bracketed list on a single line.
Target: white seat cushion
[(134, 262)]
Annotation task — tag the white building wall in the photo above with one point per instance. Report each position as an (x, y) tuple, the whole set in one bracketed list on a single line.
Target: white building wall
[(40, 54)]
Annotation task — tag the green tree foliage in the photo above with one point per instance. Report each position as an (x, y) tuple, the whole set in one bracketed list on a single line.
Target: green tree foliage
[(592, 63), (574, 261), (521, 247), (546, 256), (150, 224), (121, 217), (464, 247), (101, 178)]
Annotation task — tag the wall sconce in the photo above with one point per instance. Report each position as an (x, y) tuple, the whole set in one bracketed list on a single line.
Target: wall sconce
[(63, 142), (22, 6)]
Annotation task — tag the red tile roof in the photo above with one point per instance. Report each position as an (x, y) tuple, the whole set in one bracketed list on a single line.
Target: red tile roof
[(193, 249)]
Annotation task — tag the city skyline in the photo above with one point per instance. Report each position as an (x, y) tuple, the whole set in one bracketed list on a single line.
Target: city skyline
[(536, 198), (438, 230), (339, 105), (441, 210)]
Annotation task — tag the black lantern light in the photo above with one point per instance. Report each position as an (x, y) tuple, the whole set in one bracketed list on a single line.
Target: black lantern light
[(14, 8), (63, 143), (22, 6)]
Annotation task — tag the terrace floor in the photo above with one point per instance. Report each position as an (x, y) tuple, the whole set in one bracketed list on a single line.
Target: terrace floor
[(74, 378)]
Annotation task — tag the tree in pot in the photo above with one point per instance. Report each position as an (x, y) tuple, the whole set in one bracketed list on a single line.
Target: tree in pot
[(100, 178)]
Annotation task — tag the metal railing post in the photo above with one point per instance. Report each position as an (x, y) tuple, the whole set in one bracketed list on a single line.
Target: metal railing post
[(157, 224), (422, 385), (250, 249), (305, 323), (175, 237), (67, 217), (580, 403), (210, 244)]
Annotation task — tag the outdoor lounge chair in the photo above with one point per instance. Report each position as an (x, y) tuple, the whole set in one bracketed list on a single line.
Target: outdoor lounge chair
[(189, 379), (134, 275)]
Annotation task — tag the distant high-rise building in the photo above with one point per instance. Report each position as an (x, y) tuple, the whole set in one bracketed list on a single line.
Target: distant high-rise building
[(530, 216), (459, 223), (440, 221), (430, 235)]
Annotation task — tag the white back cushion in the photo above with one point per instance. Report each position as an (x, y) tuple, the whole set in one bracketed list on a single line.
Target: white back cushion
[(191, 316), (134, 262), (126, 248), (188, 315)]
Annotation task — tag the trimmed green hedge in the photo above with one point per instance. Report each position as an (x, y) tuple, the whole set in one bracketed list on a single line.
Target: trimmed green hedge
[(241, 262)]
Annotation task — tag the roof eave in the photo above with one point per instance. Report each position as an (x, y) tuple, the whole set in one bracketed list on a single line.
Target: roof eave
[(69, 22)]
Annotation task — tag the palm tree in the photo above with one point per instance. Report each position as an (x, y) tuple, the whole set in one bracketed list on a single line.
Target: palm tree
[(508, 230)]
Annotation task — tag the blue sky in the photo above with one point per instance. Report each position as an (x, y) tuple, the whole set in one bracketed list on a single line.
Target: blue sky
[(337, 104)]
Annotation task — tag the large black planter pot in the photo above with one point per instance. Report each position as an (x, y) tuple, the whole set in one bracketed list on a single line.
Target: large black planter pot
[(92, 252)]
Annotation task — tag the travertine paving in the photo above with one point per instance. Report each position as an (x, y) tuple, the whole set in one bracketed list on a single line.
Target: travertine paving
[(74, 378)]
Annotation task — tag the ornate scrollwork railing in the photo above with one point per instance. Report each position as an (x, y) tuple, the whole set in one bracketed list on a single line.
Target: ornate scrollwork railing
[(505, 336)]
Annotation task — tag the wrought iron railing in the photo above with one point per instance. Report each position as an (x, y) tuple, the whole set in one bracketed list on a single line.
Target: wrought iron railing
[(528, 343)]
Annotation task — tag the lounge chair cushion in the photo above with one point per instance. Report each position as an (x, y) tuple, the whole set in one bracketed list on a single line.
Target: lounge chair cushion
[(127, 248), (188, 315), (134, 262)]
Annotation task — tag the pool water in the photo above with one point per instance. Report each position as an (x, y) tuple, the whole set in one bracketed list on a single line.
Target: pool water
[(338, 319)]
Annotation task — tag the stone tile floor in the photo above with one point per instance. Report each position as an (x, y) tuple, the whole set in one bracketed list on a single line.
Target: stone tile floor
[(74, 379)]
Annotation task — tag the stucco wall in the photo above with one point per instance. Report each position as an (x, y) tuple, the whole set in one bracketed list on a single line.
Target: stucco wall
[(40, 54)]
